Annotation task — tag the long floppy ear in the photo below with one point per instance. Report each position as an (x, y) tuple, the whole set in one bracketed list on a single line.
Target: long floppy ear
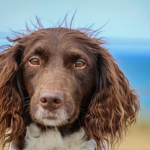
[(11, 122), (114, 106)]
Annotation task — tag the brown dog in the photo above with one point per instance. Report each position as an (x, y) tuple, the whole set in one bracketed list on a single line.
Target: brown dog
[(60, 89)]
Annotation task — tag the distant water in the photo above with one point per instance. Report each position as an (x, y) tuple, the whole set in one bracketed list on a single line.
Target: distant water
[(136, 68)]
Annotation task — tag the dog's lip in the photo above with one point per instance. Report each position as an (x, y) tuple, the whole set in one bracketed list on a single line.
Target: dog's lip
[(50, 118)]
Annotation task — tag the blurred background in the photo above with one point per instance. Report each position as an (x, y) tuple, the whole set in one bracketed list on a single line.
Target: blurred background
[(126, 28)]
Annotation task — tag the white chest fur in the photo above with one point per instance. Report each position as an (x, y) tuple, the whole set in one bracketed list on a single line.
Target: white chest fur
[(52, 140)]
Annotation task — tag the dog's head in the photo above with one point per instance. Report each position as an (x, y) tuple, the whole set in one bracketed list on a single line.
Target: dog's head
[(58, 75)]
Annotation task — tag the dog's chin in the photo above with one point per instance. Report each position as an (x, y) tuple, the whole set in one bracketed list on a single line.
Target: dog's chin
[(52, 122)]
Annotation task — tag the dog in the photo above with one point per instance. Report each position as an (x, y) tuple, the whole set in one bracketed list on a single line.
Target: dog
[(60, 89)]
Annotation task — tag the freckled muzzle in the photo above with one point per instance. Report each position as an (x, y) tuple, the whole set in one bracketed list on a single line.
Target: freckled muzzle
[(53, 102)]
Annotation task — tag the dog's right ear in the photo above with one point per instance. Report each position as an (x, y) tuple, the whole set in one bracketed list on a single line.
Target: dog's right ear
[(115, 105), (11, 122)]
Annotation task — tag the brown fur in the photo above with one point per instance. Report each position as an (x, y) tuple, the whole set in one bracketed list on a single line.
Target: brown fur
[(98, 97)]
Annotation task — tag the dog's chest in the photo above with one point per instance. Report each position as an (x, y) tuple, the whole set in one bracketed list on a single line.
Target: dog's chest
[(52, 140)]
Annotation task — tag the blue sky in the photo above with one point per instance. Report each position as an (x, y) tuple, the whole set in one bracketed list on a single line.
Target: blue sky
[(124, 18)]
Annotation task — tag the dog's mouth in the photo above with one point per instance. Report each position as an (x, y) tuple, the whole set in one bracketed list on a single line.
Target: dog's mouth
[(51, 118), (52, 110), (51, 114)]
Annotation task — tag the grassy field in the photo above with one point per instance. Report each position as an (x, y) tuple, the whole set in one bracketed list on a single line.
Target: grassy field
[(138, 139)]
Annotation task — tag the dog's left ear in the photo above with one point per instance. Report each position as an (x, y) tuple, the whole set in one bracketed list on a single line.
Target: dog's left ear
[(115, 105), (11, 122)]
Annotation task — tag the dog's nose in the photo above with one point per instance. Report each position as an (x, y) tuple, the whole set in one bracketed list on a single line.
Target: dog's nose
[(51, 100)]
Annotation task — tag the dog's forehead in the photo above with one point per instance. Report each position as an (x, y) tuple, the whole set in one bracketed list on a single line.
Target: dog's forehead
[(56, 35), (58, 40), (43, 49)]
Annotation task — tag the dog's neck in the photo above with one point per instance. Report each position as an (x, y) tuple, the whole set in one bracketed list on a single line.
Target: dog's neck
[(53, 139)]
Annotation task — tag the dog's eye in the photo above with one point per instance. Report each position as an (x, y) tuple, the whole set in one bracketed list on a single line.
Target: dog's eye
[(35, 61), (79, 64)]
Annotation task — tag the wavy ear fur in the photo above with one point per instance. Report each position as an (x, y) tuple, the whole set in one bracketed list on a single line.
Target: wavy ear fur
[(11, 123), (114, 106)]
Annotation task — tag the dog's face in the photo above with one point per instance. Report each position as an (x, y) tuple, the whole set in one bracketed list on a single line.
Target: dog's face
[(59, 74)]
